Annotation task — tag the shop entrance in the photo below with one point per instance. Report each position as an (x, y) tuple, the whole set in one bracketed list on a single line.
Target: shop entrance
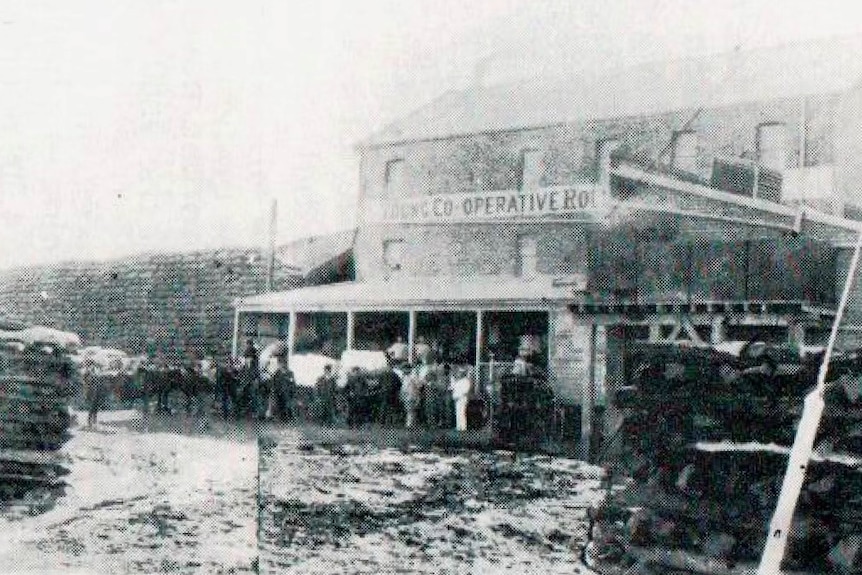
[(322, 333), (378, 330), (505, 331), (452, 335)]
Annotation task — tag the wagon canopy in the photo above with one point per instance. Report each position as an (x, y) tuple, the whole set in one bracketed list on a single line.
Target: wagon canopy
[(41, 334)]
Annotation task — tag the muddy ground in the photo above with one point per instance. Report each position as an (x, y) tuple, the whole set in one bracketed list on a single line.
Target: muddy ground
[(142, 502), (191, 495), (349, 508)]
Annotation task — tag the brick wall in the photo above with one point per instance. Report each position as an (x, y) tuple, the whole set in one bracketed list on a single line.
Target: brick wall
[(170, 304), (469, 250), (493, 162)]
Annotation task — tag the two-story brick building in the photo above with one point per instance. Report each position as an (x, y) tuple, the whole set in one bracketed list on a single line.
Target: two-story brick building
[(704, 198)]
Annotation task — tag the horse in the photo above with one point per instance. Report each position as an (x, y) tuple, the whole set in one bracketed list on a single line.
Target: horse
[(373, 396), (195, 387), (154, 382), (227, 390)]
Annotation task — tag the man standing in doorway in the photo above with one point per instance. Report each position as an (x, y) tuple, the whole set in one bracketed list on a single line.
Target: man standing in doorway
[(423, 351), (398, 352), (460, 387), (252, 357)]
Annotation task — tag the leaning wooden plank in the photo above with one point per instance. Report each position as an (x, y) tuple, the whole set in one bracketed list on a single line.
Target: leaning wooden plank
[(37, 457), (22, 478), (31, 401), (32, 384), (53, 420), (43, 443), (755, 447)]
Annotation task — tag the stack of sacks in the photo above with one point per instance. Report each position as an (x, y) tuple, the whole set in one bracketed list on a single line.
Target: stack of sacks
[(708, 433)]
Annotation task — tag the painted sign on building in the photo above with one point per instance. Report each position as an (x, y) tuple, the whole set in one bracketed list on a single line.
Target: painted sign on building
[(587, 200)]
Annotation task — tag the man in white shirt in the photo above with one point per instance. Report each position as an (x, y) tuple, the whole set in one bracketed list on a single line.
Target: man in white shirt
[(460, 386)]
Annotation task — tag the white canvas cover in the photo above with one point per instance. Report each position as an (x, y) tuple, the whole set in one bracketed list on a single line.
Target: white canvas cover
[(42, 334), (363, 359)]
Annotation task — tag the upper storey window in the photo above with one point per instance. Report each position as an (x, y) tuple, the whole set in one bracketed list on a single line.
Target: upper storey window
[(685, 151), (395, 177), (528, 257), (531, 169), (772, 145)]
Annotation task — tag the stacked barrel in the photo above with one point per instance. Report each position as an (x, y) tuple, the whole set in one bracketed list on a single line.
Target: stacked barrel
[(706, 438), (36, 382)]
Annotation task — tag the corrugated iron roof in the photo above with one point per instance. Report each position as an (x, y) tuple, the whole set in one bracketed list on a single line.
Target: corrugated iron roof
[(816, 67), (312, 252), (412, 293)]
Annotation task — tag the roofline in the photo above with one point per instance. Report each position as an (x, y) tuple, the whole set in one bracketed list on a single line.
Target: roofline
[(491, 304), (368, 143), (633, 173), (562, 295)]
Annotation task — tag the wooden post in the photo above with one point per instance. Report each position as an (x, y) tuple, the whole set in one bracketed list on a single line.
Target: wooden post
[(718, 333), (270, 252), (234, 350), (411, 335), (588, 400), (291, 336), (479, 329), (755, 192), (351, 319), (796, 337), (615, 377)]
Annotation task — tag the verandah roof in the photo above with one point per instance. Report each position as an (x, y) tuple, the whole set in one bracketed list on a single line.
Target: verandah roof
[(482, 292)]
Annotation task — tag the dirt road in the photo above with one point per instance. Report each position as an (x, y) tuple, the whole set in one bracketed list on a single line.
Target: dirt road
[(366, 509), (181, 496), (143, 503)]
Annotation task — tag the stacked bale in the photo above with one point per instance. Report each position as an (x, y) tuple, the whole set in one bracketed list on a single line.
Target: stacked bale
[(36, 383), (708, 434)]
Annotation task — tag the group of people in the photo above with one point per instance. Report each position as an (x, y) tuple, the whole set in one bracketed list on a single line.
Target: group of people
[(147, 380), (417, 389), (435, 393), (245, 390), (241, 391), (427, 392)]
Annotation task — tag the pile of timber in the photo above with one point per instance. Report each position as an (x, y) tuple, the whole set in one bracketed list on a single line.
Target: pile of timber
[(36, 383), (708, 434)]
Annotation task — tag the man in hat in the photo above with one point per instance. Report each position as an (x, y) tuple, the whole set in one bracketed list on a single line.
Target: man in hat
[(283, 386), (252, 357), (94, 391), (423, 351), (326, 389), (398, 351), (522, 364)]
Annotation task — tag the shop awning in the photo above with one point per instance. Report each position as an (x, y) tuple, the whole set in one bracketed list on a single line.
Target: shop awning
[(766, 312), (428, 293)]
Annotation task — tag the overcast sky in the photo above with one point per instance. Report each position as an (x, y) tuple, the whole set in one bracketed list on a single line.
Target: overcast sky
[(129, 126)]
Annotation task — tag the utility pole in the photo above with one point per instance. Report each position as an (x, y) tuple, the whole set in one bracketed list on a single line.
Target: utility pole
[(270, 256)]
